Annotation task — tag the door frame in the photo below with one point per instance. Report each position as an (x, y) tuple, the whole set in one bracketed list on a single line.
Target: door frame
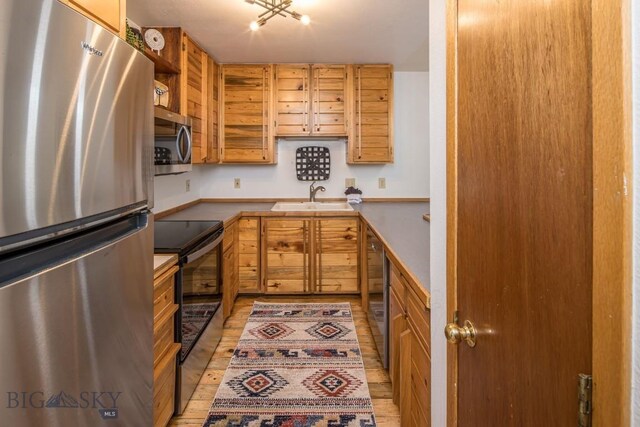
[(612, 209)]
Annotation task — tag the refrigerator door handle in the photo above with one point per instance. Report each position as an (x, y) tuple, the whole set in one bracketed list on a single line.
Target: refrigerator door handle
[(201, 252)]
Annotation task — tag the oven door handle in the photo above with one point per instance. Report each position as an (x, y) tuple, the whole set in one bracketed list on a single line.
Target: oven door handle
[(201, 252)]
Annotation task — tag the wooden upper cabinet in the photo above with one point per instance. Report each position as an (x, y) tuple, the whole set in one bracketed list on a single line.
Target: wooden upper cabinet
[(311, 100), (292, 99), (194, 96), (213, 80), (330, 92), (246, 116), (111, 14), (371, 139)]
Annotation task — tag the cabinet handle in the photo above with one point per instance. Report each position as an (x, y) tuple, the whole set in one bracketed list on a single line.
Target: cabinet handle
[(305, 99), (304, 257), (359, 112), (265, 118), (317, 100)]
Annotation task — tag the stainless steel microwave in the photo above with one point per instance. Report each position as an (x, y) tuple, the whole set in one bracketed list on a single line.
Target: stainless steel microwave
[(173, 143)]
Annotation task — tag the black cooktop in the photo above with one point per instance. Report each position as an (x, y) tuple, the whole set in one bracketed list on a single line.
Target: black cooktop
[(172, 236)]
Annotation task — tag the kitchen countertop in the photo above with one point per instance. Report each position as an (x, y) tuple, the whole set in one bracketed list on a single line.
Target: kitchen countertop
[(162, 262), (400, 225)]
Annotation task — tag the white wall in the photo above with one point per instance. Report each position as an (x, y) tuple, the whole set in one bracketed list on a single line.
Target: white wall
[(635, 408), (407, 177), (438, 191), (170, 190)]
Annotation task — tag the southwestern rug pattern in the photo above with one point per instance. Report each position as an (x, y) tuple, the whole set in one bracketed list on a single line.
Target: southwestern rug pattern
[(296, 365)]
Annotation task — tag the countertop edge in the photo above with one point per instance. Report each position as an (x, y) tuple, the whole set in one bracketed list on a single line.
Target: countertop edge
[(166, 265)]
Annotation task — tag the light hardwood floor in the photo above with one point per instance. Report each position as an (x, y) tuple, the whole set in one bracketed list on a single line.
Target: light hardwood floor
[(387, 413)]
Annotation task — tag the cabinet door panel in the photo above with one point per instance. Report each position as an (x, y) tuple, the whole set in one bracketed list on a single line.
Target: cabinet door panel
[(371, 140), (245, 94), (329, 93), (292, 98), (286, 255), (337, 254), (194, 101), (249, 255)]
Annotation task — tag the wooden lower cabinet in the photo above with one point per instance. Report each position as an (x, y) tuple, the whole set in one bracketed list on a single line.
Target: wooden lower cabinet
[(249, 255), (286, 255), (164, 347), (230, 282), (410, 357), (310, 255), (336, 255)]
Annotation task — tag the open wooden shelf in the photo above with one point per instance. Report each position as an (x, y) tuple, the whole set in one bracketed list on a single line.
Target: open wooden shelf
[(162, 65)]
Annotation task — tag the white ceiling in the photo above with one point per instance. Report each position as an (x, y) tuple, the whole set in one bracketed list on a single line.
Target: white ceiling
[(341, 31)]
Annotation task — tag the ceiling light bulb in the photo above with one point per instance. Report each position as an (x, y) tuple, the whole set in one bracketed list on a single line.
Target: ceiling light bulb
[(254, 26), (305, 20)]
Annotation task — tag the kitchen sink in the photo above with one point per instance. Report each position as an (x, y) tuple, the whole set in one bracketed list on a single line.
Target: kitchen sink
[(311, 207)]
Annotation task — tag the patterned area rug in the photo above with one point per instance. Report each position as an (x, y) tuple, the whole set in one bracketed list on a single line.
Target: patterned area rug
[(296, 365)]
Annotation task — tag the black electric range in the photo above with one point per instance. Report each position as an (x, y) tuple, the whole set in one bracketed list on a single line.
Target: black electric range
[(179, 237), (198, 292)]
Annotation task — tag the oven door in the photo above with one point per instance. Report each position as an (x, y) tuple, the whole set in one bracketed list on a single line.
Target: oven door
[(201, 290)]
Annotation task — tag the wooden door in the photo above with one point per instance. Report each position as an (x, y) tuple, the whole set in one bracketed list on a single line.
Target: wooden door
[(286, 260), (246, 114), (330, 107), (292, 99), (194, 96), (212, 154), (249, 255), (521, 208), (336, 255), (371, 140)]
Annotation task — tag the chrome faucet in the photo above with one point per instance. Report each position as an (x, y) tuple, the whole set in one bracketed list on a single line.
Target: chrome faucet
[(313, 190)]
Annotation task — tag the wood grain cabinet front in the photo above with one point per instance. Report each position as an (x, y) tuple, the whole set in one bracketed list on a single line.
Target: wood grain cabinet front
[(111, 14), (286, 255), (337, 255), (249, 256), (311, 100), (246, 115), (164, 347), (229, 269), (410, 357), (371, 138), (307, 255)]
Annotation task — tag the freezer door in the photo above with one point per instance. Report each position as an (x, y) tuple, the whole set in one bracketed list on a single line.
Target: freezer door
[(77, 336), (76, 118)]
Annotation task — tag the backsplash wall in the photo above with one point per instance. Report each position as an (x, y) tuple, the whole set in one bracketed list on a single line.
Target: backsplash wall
[(408, 176)]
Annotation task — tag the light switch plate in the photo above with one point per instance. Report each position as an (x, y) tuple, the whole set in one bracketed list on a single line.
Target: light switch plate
[(382, 183), (236, 183), (350, 182)]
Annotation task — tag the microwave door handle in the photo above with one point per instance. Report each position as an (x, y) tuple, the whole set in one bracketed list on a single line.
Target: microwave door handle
[(187, 132), (178, 137), (201, 252)]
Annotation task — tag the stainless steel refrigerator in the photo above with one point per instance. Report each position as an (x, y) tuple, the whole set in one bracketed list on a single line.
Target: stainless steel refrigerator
[(76, 235)]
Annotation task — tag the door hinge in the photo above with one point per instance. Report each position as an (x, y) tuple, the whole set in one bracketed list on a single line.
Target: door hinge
[(585, 404)]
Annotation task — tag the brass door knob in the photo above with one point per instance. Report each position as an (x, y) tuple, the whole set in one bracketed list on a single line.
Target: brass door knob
[(455, 333)]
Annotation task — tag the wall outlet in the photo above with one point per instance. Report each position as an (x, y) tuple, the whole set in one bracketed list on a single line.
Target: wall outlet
[(382, 183), (350, 182), (236, 183), (187, 185)]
